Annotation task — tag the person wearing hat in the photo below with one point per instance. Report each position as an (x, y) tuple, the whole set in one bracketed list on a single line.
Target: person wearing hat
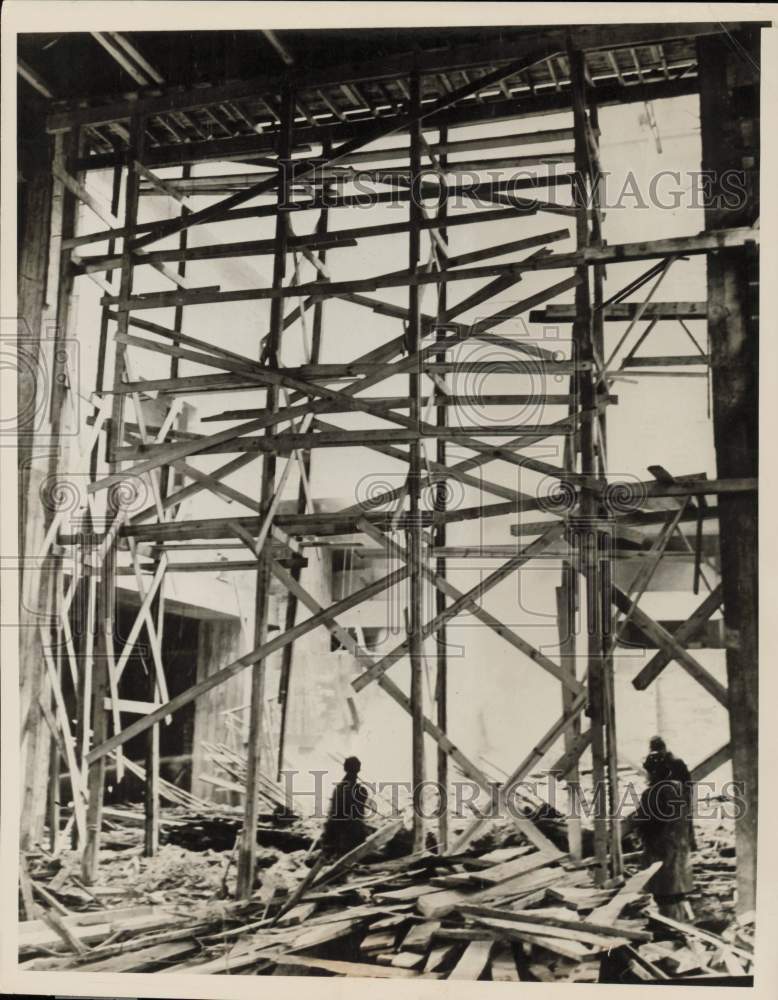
[(662, 821), (678, 772), (345, 827)]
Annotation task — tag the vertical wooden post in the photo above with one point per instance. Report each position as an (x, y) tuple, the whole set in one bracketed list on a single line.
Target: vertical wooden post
[(729, 114), (567, 607), (107, 592), (287, 655), (151, 803), (441, 657), (415, 532), (248, 844), (48, 213), (151, 800), (588, 508), (52, 806), (89, 543), (604, 538)]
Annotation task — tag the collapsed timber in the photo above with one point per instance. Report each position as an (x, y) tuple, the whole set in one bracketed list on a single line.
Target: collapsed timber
[(508, 913)]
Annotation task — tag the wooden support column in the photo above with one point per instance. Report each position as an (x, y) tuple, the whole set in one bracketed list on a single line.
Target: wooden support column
[(415, 531), (152, 803), (587, 538), (107, 592), (441, 637), (596, 180), (567, 607), (47, 212), (248, 842), (287, 655), (729, 113)]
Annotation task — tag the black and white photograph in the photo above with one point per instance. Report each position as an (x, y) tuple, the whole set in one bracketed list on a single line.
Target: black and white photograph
[(382, 405)]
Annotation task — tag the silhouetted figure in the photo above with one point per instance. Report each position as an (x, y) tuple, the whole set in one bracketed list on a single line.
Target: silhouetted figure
[(663, 824), (678, 772), (345, 827)]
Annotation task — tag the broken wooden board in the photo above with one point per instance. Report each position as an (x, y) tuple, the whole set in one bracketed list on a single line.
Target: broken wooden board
[(362, 969), (88, 933), (380, 941), (519, 866), (631, 891), (374, 842), (503, 964), (578, 898), (560, 946), (420, 935), (439, 956), (144, 959), (315, 936), (556, 918), (502, 854), (518, 929), (696, 932), (401, 959), (473, 961)]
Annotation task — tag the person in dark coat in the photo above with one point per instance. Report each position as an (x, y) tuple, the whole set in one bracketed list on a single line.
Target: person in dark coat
[(662, 821), (678, 772), (345, 827)]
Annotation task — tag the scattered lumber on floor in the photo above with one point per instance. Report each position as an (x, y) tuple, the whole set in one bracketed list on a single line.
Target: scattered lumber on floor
[(509, 913)]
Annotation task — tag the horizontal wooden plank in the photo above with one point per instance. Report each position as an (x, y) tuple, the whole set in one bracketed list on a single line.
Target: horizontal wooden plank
[(701, 243), (665, 361), (620, 312)]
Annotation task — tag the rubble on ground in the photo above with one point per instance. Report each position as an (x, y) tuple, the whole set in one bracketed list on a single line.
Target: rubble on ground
[(501, 909)]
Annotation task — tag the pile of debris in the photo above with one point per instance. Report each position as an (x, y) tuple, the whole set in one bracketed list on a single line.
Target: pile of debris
[(511, 913)]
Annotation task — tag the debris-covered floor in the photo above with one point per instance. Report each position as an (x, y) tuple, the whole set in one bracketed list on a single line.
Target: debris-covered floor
[(502, 910)]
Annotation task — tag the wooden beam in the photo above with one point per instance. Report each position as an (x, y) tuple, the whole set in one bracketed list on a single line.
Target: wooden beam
[(588, 506), (682, 636), (415, 534), (729, 121), (107, 601), (623, 312), (247, 851), (660, 637), (333, 240), (703, 243)]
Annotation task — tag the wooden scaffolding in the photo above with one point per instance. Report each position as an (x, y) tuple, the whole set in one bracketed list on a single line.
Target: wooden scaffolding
[(278, 120)]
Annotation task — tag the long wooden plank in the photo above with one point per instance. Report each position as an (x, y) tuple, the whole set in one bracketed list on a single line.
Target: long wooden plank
[(340, 968), (473, 962), (586, 257), (603, 926), (619, 312), (334, 239), (632, 889)]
